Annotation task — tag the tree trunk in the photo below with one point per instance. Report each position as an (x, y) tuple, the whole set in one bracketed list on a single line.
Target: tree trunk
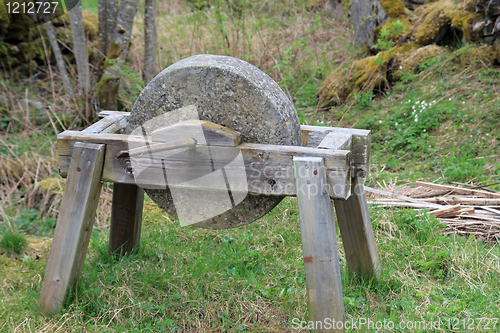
[(149, 41), (107, 10), (59, 59), (366, 15), (107, 88), (79, 45)]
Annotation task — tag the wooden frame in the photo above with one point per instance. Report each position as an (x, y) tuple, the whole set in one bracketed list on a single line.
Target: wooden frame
[(335, 160)]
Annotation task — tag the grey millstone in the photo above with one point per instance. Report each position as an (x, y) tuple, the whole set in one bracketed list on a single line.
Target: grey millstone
[(231, 93)]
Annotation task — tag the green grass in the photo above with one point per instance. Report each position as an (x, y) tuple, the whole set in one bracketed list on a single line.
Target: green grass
[(12, 242), (251, 279), (442, 124)]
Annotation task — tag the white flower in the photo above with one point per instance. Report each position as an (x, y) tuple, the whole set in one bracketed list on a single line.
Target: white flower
[(418, 102), (463, 102), (400, 67), (449, 99), (425, 130), (396, 123), (380, 121)]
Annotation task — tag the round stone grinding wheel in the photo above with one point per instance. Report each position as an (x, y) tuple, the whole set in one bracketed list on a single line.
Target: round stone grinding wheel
[(229, 92)]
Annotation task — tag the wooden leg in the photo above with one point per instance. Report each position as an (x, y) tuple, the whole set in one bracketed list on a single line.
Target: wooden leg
[(74, 225), (126, 217), (357, 232), (319, 242)]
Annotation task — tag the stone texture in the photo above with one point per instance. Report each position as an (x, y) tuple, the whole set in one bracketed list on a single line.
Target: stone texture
[(231, 93), (366, 15)]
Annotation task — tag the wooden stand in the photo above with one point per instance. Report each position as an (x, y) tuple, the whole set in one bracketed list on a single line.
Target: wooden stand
[(319, 240), (330, 165)]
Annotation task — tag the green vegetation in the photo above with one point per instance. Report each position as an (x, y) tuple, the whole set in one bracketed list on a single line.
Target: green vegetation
[(251, 278), (12, 242), (439, 120)]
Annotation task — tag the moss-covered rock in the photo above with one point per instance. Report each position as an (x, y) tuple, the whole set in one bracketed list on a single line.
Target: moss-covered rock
[(395, 29), (465, 23), (367, 74), (393, 8), (496, 48), (436, 20), (333, 90), (411, 64), (485, 55), (21, 48)]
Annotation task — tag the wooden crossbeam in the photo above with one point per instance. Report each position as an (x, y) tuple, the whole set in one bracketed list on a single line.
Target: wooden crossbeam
[(268, 168), (313, 136)]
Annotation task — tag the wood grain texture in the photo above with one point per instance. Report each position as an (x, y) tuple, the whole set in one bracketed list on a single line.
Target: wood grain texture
[(357, 232), (105, 125), (74, 225), (336, 141), (460, 190), (105, 113), (398, 196), (268, 168), (319, 242), (126, 218)]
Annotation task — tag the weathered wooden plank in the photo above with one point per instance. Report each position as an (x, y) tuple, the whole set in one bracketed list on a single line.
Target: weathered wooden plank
[(268, 168), (336, 141), (102, 125), (319, 242), (446, 210), (105, 113), (357, 232), (126, 218), (460, 190), (119, 127), (74, 225), (453, 200), (399, 196), (312, 136)]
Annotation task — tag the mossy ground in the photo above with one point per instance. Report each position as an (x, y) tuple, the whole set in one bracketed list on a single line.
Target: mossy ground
[(436, 19), (393, 8)]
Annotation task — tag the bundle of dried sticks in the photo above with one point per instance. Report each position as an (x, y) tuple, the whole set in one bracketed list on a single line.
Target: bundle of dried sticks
[(465, 210)]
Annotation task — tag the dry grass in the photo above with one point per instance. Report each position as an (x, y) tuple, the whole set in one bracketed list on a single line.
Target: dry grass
[(265, 38)]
